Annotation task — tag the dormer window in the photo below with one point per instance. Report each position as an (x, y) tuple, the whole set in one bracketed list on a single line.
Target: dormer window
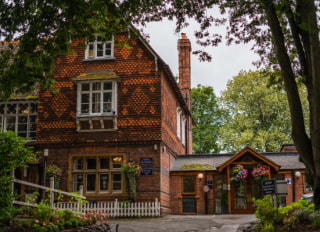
[(97, 49)]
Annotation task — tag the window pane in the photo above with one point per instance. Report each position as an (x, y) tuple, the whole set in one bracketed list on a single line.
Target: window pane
[(11, 123), (104, 182), (91, 164), (107, 86), (99, 50), (91, 51), (85, 87), (77, 181), (104, 163), (33, 118), (107, 102), (2, 108), (188, 184), (11, 108), (108, 49), (32, 135), (116, 181), (96, 103), (85, 98), (22, 119), (107, 107), (78, 164), (96, 86), (33, 108), (23, 109), (98, 38), (85, 103), (116, 162), (91, 182), (107, 97), (22, 127)]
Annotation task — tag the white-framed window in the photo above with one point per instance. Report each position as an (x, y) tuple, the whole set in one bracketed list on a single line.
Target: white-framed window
[(179, 111), (183, 130), (20, 117), (97, 98), (100, 174), (96, 49)]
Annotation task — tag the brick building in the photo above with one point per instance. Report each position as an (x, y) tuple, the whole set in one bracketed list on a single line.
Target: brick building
[(117, 105), (114, 105), (200, 184)]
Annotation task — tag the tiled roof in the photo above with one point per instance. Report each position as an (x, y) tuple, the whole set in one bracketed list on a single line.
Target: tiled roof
[(286, 160)]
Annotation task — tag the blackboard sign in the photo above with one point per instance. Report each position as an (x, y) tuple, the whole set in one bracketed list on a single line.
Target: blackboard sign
[(146, 161), (146, 171), (268, 187)]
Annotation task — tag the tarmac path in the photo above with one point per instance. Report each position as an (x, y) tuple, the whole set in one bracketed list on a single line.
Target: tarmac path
[(186, 223)]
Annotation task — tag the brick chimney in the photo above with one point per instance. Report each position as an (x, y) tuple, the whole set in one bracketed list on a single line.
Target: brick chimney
[(184, 48)]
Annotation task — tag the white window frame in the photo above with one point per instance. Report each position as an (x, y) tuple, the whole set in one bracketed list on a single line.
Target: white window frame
[(101, 92), (179, 111), (94, 46), (183, 130), (4, 116)]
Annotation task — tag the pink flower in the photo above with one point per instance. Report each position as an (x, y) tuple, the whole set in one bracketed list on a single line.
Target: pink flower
[(57, 220), (36, 221), (44, 224), (51, 223), (56, 216)]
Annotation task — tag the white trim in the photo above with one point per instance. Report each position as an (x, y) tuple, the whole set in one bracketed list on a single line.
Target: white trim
[(95, 43)]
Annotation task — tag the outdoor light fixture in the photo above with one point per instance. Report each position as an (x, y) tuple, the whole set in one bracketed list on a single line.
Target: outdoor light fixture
[(297, 174), (200, 176)]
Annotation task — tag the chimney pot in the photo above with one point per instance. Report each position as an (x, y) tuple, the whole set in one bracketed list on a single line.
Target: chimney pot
[(183, 35)]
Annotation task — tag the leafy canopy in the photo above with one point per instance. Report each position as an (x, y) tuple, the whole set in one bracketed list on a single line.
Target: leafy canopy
[(208, 116), (258, 114)]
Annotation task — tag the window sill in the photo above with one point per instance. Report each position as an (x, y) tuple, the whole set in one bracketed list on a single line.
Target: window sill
[(92, 123), (99, 59)]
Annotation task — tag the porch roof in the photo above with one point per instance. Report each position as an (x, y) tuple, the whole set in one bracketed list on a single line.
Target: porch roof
[(286, 161)]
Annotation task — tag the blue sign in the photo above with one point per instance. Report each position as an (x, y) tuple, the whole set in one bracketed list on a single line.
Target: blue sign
[(210, 182), (288, 180), (146, 161), (268, 187), (146, 171)]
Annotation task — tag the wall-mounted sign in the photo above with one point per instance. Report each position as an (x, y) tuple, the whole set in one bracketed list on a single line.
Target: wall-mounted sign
[(288, 180), (146, 161), (146, 171), (268, 187), (210, 181)]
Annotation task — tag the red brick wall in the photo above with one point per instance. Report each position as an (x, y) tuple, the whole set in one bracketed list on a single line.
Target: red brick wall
[(139, 94), (299, 189)]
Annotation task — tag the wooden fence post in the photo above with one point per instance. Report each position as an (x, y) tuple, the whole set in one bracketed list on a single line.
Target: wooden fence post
[(79, 200), (52, 193)]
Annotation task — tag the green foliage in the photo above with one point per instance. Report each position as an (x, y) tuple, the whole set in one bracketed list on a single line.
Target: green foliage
[(315, 217), (258, 114), (208, 117), (13, 154), (265, 210), (268, 227)]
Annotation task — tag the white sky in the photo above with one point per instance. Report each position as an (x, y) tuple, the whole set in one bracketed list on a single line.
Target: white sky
[(226, 63)]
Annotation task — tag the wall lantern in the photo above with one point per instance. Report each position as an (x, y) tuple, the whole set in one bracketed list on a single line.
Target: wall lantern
[(200, 176), (297, 174)]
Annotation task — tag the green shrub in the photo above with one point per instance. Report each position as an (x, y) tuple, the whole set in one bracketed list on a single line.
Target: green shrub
[(68, 215), (267, 227), (43, 213), (302, 215), (68, 224), (315, 217), (265, 210), (290, 222)]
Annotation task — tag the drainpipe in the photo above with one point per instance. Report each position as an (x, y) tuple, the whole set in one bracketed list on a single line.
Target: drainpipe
[(206, 195), (293, 186)]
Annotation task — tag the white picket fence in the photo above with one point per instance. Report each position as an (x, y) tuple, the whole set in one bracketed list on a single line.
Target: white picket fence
[(115, 209)]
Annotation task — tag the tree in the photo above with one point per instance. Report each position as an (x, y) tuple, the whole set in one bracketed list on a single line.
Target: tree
[(13, 154), (207, 115), (258, 114)]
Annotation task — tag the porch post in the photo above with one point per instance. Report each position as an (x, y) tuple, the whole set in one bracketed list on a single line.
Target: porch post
[(229, 188), (269, 172)]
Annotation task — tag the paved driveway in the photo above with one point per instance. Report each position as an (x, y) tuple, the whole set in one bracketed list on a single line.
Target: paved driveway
[(186, 223)]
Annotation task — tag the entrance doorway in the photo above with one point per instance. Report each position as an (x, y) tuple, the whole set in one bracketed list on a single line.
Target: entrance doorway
[(242, 194)]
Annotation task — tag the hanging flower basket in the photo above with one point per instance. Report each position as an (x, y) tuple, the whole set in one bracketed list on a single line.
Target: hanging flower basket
[(238, 174), (55, 172), (131, 171), (260, 173)]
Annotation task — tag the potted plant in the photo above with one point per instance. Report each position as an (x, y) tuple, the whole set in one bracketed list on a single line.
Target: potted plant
[(131, 171), (224, 202), (260, 173)]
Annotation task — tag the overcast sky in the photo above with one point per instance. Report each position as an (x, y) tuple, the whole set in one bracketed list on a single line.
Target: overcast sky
[(226, 63)]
